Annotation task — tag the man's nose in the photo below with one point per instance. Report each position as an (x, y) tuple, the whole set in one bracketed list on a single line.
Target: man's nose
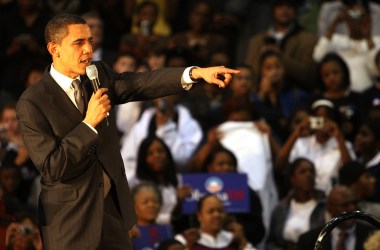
[(87, 48)]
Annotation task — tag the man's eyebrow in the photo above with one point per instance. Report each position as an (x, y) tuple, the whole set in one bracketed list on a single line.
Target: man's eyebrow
[(80, 40)]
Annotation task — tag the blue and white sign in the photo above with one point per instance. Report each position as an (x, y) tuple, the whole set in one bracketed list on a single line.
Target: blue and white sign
[(151, 236), (232, 189)]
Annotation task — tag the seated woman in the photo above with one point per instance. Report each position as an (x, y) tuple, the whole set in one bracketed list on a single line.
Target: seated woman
[(303, 208), (211, 235), (148, 200), (155, 164), (222, 160)]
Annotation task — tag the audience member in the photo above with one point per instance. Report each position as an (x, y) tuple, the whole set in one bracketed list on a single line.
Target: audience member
[(353, 47), (166, 10), (198, 39), (214, 158), (275, 99), (367, 147), (252, 143), (334, 78), (329, 10), (11, 193), (117, 20), (326, 146), (211, 235), (371, 97), (96, 25), (148, 201), (22, 40), (242, 84), (287, 37), (349, 234), (127, 114), (155, 57), (362, 184), (301, 210), (139, 43), (155, 164), (8, 149), (172, 123), (23, 234), (32, 72), (9, 121)]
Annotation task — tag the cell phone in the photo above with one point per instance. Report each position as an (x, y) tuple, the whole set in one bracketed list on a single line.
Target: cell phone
[(26, 230), (316, 122)]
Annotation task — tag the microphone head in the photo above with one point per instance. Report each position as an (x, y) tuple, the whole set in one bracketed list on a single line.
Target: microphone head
[(92, 72)]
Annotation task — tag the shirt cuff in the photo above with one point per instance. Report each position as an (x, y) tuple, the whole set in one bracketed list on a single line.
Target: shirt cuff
[(91, 127), (186, 81)]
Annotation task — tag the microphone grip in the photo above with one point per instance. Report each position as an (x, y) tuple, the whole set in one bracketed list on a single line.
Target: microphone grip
[(95, 86)]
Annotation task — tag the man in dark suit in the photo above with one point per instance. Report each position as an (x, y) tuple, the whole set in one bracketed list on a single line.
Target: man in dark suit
[(348, 235), (71, 135)]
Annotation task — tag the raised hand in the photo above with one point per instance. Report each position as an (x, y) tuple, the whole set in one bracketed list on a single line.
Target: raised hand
[(218, 75)]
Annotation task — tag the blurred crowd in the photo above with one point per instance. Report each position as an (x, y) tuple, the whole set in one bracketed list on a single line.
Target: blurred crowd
[(302, 119)]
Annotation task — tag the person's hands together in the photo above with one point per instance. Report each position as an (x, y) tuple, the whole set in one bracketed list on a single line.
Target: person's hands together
[(218, 75), (98, 107)]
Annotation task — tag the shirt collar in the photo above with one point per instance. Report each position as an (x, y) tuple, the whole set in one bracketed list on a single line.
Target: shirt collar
[(223, 239), (63, 81)]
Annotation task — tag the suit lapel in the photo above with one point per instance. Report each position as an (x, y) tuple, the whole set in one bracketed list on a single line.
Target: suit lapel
[(59, 100)]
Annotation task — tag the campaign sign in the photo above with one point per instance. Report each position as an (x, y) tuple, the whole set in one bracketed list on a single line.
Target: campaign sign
[(232, 189), (151, 236)]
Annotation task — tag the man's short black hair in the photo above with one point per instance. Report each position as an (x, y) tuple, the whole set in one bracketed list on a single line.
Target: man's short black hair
[(56, 29)]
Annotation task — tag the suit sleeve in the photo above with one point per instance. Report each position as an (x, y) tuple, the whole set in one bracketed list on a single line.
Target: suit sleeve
[(126, 87), (57, 159)]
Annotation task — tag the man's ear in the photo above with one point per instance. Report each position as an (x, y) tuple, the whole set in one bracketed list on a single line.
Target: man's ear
[(52, 48)]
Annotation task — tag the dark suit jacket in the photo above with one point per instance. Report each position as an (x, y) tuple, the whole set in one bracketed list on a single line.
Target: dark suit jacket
[(70, 156), (308, 239)]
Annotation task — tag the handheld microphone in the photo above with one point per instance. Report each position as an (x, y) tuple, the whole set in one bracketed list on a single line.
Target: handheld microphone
[(92, 74)]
